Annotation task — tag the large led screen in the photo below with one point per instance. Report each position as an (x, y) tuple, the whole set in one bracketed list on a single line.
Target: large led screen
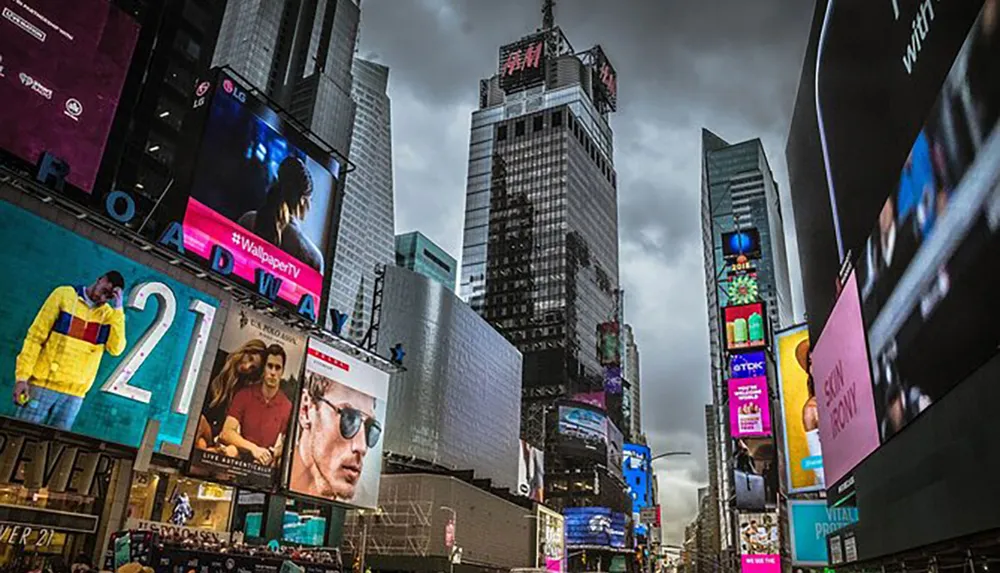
[(337, 453), (748, 364), (744, 243), (245, 418), (928, 271), (531, 472), (809, 522), (847, 426), (583, 431), (94, 343), (636, 471), (62, 66), (265, 193), (760, 547), (749, 408), (755, 473), (745, 326), (594, 527), (551, 551), (844, 149), (800, 412)]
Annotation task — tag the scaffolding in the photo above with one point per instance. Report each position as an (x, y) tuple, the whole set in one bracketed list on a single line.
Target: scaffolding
[(400, 526)]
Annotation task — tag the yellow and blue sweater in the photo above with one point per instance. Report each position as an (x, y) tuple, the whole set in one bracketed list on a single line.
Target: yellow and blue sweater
[(64, 345)]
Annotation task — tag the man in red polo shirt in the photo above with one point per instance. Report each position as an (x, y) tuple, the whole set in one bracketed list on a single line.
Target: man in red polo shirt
[(259, 414)]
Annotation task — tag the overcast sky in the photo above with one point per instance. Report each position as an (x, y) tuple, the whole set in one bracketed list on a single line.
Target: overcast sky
[(731, 66)]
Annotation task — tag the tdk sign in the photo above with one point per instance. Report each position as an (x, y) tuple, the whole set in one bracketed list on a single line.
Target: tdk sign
[(748, 365)]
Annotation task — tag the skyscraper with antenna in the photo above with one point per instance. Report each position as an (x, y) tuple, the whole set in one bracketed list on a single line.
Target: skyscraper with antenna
[(540, 252)]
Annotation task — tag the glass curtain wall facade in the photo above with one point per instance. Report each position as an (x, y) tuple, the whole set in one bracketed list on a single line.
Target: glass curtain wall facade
[(419, 254), (738, 192)]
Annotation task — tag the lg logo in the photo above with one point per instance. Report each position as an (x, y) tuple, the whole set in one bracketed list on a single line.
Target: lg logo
[(232, 89)]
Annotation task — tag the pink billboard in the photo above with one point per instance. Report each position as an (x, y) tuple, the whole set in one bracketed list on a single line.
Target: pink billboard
[(840, 369), (749, 411)]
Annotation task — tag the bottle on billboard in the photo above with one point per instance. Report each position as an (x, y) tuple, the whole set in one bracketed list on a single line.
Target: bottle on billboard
[(756, 325), (730, 334), (740, 331)]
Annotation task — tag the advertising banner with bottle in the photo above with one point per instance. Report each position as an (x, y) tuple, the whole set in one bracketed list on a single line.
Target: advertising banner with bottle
[(745, 326), (800, 412)]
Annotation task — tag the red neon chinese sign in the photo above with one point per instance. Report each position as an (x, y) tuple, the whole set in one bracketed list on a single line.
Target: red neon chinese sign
[(523, 59)]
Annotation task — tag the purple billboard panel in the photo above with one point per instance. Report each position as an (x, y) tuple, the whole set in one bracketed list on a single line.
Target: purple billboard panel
[(749, 411), (847, 429), (62, 66)]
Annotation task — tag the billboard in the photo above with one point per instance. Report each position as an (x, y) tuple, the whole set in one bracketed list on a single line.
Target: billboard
[(531, 472), (609, 345), (605, 79), (613, 380), (748, 364), (847, 429), (551, 532), (245, 418), (743, 244), (749, 408), (800, 412), (594, 527), (760, 547), (265, 195), (337, 452), (616, 444), (522, 64), (583, 431), (62, 66), (928, 268), (755, 473), (636, 471), (597, 399), (745, 326), (844, 151), (743, 289), (94, 343), (809, 522)]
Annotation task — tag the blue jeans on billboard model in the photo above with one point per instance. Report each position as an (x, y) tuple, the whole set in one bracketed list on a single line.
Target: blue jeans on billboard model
[(50, 408)]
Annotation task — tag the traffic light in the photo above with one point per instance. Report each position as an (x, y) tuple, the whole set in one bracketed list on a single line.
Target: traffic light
[(357, 563)]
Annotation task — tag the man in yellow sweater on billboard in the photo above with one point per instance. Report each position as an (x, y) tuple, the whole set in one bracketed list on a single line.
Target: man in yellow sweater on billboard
[(63, 348)]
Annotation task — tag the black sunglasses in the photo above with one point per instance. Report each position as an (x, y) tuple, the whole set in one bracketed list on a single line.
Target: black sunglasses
[(351, 420)]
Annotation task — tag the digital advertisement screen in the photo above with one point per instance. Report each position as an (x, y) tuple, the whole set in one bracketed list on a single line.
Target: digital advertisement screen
[(928, 270), (749, 408), (522, 64), (746, 326), (755, 473), (844, 151), (131, 354), (847, 426), (594, 527), (337, 454), (62, 66), (760, 547), (743, 289), (265, 193), (743, 243), (636, 471), (606, 79), (748, 364), (583, 431), (809, 522), (800, 411), (245, 418), (597, 399), (551, 552), (609, 345), (613, 380), (531, 472)]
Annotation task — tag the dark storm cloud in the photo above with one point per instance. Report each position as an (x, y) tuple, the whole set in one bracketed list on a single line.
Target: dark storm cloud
[(731, 66)]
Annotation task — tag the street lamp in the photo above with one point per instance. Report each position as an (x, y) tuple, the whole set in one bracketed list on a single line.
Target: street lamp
[(667, 455)]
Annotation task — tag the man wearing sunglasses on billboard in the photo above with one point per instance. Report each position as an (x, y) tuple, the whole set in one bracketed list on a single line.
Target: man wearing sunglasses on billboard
[(337, 427)]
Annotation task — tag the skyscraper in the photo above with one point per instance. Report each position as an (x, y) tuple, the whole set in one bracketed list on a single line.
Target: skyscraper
[(631, 375), (421, 255), (540, 249), (367, 221), (298, 52), (738, 192)]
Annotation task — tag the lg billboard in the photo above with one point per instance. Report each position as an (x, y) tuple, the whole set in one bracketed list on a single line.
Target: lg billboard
[(62, 66)]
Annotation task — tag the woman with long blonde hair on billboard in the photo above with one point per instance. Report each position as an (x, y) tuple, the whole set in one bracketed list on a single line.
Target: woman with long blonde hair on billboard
[(242, 367)]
